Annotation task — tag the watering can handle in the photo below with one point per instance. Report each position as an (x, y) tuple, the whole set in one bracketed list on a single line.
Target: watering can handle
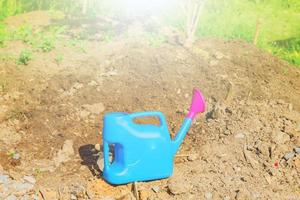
[(161, 117)]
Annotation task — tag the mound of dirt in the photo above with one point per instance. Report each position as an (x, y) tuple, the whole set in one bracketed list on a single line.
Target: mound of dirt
[(35, 18), (243, 147)]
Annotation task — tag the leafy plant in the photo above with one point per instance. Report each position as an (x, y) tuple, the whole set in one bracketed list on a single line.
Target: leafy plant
[(108, 36), (16, 113), (3, 85), (24, 33), (155, 39), (24, 57), (59, 58), (47, 45)]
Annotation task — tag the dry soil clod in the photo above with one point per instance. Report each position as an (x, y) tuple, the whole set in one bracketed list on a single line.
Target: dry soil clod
[(248, 157)]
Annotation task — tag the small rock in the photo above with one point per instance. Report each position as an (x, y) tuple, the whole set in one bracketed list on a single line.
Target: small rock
[(49, 194), (11, 197), (208, 195), (95, 108), (92, 83), (144, 194), (16, 156), (226, 198), (290, 107), (9, 136), (289, 155), (23, 186), (178, 187), (4, 179), (239, 136), (255, 195), (297, 150), (112, 72), (35, 196), (44, 165), (280, 137), (216, 111), (25, 197), (29, 179), (192, 157), (213, 63), (156, 188), (297, 163), (111, 198), (237, 168), (297, 141), (100, 163), (298, 128), (73, 197), (263, 148), (218, 55), (226, 132), (78, 86), (201, 52), (65, 153), (98, 147), (83, 114)]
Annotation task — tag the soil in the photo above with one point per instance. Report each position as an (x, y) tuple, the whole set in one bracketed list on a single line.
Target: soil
[(53, 112)]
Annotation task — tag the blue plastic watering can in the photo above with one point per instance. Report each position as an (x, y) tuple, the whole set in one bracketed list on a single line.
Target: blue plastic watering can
[(142, 152)]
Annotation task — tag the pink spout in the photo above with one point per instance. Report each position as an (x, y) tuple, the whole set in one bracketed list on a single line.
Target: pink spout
[(198, 104)]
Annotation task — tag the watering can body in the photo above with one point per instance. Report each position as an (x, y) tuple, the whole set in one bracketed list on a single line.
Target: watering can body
[(142, 152)]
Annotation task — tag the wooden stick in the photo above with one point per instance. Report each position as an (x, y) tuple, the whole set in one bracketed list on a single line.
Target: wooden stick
[(135, 191), (257, 31)]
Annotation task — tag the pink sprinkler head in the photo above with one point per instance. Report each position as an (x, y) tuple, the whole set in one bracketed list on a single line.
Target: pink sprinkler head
[(198, 104)]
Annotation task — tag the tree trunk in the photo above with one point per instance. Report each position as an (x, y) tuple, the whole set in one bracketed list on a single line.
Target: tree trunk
[(194, 8)]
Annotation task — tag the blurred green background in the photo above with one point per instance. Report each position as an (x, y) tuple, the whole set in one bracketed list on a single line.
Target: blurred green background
[(276, 22)]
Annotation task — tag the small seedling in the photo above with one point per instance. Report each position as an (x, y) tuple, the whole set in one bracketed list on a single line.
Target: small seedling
[(16, 113), (47, 45), (108, 36), (3, 86), (155, 40), (59, 58), (25, 57), (2, 44)]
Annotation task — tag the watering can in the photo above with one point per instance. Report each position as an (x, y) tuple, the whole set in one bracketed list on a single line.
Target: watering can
[(142, 152)]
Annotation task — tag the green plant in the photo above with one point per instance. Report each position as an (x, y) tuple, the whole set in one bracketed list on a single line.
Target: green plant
[(47, 44), (3, 35), (59, 58), (16, 113), (24, 33), (108, 36), (155, 39), (3, 85), (24, 57)]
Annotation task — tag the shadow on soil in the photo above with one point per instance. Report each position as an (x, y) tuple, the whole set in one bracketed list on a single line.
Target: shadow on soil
[(90, 156)]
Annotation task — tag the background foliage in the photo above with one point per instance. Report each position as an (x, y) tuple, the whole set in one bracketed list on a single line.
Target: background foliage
[(279, 27)]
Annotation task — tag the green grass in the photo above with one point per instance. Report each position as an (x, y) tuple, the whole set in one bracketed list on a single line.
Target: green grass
[(59, 58), (155, 39), (237, 19), (24, 57), (226, 19)]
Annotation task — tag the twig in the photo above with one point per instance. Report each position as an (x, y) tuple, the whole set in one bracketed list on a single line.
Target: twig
[(183, 155), (247, 156), (135, 191), (40, 191), (257, 31)]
